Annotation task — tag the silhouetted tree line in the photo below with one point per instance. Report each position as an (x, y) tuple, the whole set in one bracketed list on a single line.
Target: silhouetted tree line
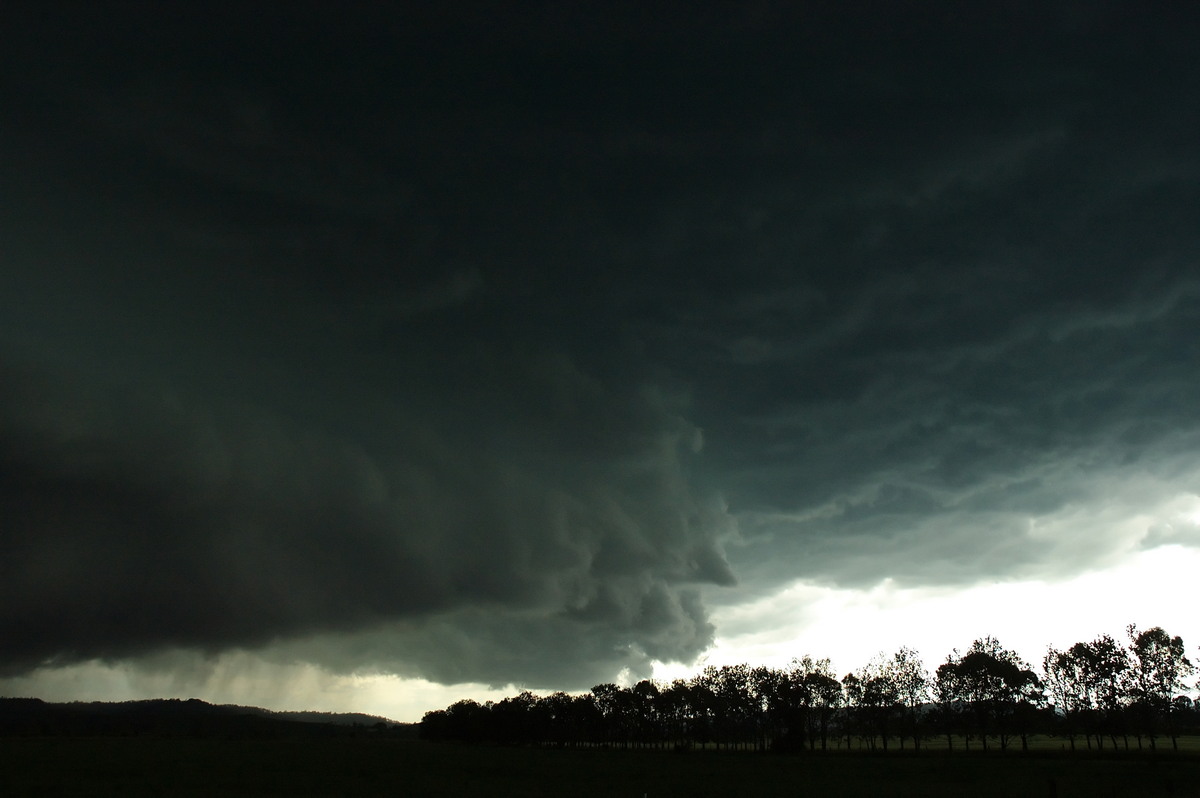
[(1098, 694)]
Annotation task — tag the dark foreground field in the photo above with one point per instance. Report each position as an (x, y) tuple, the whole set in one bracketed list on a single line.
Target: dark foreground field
[(148, 766)]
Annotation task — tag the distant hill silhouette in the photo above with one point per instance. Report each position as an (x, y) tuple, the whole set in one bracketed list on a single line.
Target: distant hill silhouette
[(173, 717)]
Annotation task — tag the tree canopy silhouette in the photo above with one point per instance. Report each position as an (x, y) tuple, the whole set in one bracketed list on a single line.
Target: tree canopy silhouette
[(987, 696)]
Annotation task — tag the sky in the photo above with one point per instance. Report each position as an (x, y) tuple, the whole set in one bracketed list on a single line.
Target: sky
[(365, 357)]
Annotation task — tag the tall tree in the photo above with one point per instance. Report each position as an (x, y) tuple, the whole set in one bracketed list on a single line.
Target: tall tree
[(705, 707), (1103, 669), (644, 711), (999, 689), (770, 689), (949, 696), (825, 696), (912, 682), (1067, 691), (611, 705), (807, 696), (878, 697), (739, 707), (1158, 668), (678, 713)]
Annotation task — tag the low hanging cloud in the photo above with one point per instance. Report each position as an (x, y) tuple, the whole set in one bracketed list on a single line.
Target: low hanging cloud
[(1041, 449), (397, 358), (979, 370), (133, 525)]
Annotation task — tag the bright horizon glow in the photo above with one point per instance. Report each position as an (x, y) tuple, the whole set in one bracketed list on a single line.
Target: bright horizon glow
[(849, 627)]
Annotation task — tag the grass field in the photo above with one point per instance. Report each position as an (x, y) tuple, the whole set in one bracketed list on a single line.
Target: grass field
[(146, 766)]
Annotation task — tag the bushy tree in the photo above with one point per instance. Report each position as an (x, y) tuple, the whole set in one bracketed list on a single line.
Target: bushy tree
[(876, 699), (1067, 691), (738, 707), (824, 694), (1100, 689), (912, 682), (644, 712), (1102, 666), (998, 689), (949, 697), (802, 701), (678, 715), (1157, 669), (612, 706)]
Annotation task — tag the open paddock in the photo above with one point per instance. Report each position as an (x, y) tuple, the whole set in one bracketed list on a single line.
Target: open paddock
[(194, 767)]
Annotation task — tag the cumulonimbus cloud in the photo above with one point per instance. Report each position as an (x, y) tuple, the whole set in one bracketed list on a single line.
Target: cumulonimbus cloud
[(132, 525)]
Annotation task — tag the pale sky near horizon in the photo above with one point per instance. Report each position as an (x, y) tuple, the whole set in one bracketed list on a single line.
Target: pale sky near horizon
[(370, 357), (849, 627)]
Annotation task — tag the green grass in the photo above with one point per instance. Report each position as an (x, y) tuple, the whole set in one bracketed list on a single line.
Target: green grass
[(142, 766)]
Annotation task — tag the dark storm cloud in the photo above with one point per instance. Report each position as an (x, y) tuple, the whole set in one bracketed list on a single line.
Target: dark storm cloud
[(129, 527), (943, 448), (630, 623), (385, 339), (985, 319)]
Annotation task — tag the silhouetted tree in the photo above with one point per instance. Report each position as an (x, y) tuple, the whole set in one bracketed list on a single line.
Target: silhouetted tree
[(1067, 691), (738, 708), (852, 692), (586, 717), (644, 714), (678, 714), (826, 697), (610, 705), (949, 696), (1098, 689), (877, 695), (1157, 669), (999, 689), (769, 687), (559, 720), (1103, 668), (468, 721), (705, 708), (514, 720), (911, 681), (812, 697), (798, 703), (435, 725)]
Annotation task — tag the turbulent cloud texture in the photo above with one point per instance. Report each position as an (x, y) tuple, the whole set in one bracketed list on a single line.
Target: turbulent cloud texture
[(129, 528), (434, 342)]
